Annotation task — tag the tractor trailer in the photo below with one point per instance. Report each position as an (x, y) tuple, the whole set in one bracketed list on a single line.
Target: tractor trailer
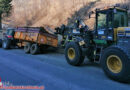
[(33, 39)]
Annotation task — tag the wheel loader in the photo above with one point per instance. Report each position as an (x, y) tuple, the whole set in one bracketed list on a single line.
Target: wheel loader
[(108, 44)]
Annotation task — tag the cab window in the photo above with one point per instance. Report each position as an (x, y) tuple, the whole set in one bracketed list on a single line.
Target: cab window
[(101, 21), (10, 32), (120, 19)]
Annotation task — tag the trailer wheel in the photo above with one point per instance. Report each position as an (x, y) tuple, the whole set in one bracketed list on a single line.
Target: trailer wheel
[(116, 64), (27, 47), (6, 43), (73, 54), (34, 49)]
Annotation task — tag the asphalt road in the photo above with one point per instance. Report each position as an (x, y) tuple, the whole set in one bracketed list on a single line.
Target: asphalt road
[(51, 70)]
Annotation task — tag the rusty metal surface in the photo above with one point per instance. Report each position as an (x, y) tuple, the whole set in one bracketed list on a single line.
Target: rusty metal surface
[(36, 35)]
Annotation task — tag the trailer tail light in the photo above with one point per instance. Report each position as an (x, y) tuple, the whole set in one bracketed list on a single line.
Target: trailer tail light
[(9, 36)]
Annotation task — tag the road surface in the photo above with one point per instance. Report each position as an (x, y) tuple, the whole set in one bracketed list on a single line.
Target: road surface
[(51, 70)]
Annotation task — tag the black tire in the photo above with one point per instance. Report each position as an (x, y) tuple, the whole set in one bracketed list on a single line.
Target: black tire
[(78, 58), (0, 43), (34, 49), (6, 44), (27, 47), (122, 73), (90, 55)]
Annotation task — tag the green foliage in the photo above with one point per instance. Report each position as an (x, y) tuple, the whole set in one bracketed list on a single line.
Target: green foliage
[(5, 6)]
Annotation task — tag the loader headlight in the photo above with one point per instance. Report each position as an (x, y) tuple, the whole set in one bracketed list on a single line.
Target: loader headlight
[(110, 38), (81, 43)]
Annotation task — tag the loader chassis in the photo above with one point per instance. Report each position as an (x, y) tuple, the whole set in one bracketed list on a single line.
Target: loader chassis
[(108, 44)]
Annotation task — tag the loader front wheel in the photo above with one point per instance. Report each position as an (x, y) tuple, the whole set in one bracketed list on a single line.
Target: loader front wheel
[(73, 54), (116, 64)]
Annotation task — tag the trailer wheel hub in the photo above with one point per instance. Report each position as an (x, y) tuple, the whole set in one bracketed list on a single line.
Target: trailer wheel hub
[(114, 64), (71, 53)]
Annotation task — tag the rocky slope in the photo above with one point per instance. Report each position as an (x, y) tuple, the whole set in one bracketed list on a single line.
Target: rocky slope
[(53, 13)]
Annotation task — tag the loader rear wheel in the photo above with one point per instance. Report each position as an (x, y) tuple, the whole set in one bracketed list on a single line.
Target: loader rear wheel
[(73, 54), (34, 49), (27, 47), (115, 63), (6, 43)]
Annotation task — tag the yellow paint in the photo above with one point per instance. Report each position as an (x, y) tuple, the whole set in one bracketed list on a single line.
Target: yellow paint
[(103, 37), (119, 29), (114, 64), (71, 53)]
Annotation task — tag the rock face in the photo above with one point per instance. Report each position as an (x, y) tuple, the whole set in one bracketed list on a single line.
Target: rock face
[(53, 13)]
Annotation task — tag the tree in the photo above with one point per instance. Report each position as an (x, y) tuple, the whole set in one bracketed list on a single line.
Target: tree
[(5, 7)]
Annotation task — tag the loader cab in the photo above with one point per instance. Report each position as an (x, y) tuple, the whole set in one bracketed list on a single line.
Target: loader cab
[(106, 22)]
